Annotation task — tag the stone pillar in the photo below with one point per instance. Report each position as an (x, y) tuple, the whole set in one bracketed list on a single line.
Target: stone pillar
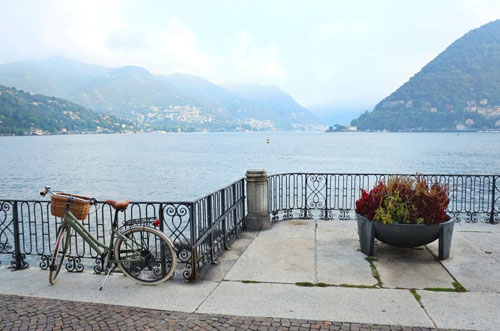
[(258, 211)]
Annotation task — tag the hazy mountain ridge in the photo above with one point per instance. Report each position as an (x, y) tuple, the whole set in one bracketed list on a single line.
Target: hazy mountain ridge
[(27, 113), (458, 90), (172, 102)]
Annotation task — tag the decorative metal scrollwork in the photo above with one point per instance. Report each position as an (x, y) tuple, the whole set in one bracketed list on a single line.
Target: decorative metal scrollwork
[(45, 261), (316, 188), (344, 214), (176, 221), (184, 256), (472, 217), (326, 214), (6, 231), (287, 214), (188, 272), (305, 214), (74, 264), (23, 265), (99, 265), (455, 216), (5, 247)]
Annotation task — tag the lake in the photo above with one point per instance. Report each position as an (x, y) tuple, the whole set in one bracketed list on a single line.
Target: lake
[(180, 167)]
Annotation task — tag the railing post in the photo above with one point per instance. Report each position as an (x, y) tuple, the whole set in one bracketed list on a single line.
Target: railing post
[(210, 221), (305, 199), (235, 214), (244, 194), (493, 188), (325, 216), (194, 255), (258, 210), (224, 221), (160, 218), (18, 263)]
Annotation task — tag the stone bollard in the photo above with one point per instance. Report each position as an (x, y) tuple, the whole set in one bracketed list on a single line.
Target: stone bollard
[(258, 211)]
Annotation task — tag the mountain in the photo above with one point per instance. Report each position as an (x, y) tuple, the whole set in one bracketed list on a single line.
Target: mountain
[(55, 76), (274, 100), (125, 91), (173, 102), (27, 113), (458, 90)]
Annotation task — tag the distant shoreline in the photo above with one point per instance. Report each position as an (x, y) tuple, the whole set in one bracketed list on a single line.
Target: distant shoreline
[(251, 132)]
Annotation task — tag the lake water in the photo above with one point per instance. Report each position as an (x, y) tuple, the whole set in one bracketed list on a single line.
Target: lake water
[(176, 167)]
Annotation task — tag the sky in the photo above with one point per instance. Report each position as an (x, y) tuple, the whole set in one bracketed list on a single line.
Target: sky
[(347, 54)]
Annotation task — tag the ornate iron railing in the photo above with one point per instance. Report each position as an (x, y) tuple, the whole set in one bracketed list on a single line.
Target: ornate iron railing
[(219, 217), (473, 198), (198, 229)]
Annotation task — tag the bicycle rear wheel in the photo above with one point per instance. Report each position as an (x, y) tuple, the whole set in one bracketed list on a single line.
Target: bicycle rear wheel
[(146, 255), (60, 250)]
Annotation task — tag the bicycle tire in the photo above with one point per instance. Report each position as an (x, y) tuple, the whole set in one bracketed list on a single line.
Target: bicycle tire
[(62, 244), (154, 246)]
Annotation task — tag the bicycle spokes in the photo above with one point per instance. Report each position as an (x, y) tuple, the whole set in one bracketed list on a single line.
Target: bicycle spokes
[(145, 254)]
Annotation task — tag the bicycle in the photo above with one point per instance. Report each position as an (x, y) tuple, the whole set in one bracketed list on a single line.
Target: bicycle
[(142, 252)]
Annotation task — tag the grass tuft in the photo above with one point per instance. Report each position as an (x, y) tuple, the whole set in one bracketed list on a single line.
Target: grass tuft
[(305, 284), (375, 273), (250, 282), (459, 287), (358, 286), (440, 289), (309, 284), (321, 285), (417, 297)]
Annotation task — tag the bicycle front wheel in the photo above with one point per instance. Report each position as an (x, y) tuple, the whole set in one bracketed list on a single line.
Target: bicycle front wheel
[(60, 250), (145, 255)]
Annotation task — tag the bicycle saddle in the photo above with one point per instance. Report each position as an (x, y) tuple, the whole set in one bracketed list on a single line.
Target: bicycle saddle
[(122, 204)]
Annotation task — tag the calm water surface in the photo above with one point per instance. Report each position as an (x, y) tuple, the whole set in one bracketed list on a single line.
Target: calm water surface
[(167, 167)]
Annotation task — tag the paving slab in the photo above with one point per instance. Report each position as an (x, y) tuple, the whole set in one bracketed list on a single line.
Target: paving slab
[(470, 265), (339, 259), (409, 268), (22, 282), (478, 226), (172, 295), (477, 311), (369, 306), (228, 258), (283, 254), (303, 229), (488, 242)]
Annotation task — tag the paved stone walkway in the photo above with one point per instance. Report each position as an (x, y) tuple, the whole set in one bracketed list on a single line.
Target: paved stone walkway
[(28, 313)]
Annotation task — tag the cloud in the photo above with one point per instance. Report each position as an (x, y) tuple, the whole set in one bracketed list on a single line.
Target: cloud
[(252, 61), (340, 28), (127, 41), (179, 45), (68, 28)]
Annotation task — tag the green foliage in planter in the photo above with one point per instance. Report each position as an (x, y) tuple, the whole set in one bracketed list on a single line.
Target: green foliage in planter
[(395, 210)]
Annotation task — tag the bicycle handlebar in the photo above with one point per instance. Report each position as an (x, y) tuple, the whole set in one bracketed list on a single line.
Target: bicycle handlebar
[(91, 201)]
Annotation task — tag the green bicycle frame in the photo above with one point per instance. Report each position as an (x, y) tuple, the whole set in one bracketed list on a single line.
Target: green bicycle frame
[(71, 221)]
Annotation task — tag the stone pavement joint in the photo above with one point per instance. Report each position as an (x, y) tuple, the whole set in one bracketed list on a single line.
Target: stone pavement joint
[(29, 313)]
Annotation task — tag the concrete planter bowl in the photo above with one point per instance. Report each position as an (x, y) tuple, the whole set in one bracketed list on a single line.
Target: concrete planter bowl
[(404, 235)]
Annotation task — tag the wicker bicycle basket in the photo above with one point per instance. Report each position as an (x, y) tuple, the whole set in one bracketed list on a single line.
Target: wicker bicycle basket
[(79, 207)]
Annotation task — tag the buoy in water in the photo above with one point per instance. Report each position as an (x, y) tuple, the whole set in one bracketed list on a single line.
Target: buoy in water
[(268, 141)]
